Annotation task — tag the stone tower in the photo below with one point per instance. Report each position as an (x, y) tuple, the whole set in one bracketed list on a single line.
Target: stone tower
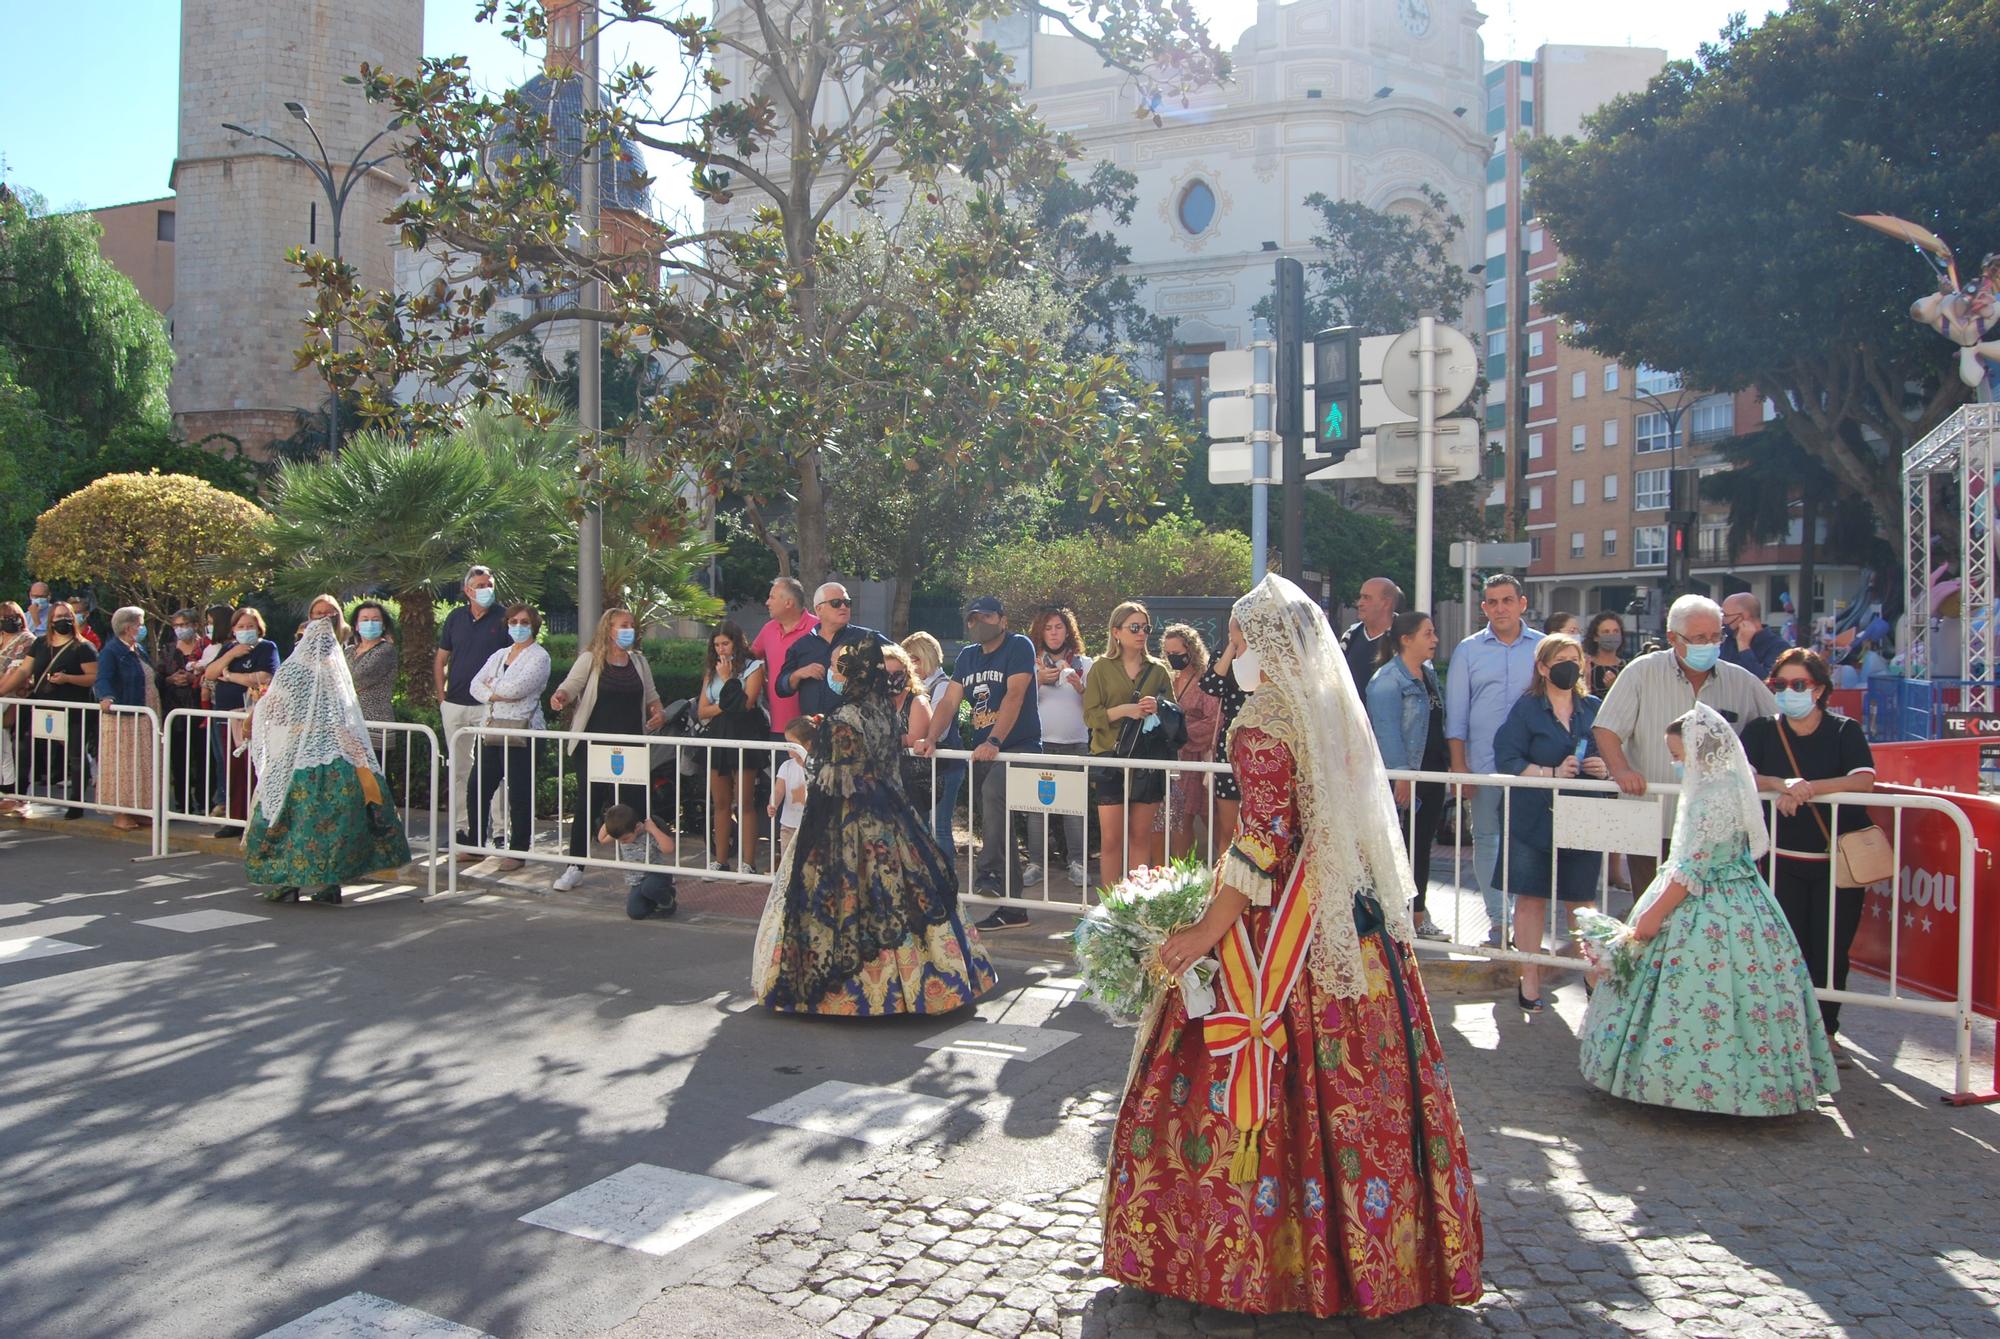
[(242, 203)]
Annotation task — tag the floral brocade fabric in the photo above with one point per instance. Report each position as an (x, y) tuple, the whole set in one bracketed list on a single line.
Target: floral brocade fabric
[(326, 832), (1719, 1014), (863, 916), (1362, 1202)]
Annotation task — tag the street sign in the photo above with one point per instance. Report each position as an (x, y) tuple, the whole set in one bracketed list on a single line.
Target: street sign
[(1359, 464), (1229, 371), (1457, 451), (1494, 555), (1229, 417), (1229, 463), (1457, 370)]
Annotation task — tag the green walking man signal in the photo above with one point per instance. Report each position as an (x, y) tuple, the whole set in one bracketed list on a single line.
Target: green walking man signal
[(1336, 383)]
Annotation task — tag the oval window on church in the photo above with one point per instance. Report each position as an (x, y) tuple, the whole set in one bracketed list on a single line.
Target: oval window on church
[(1197, 207)]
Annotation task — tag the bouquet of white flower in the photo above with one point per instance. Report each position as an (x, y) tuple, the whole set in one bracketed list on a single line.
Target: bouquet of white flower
[(1118, 943), (1608, 943)]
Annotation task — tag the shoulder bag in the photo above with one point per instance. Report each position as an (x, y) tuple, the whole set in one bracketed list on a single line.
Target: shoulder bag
[(1164, 740), (1861, 857)]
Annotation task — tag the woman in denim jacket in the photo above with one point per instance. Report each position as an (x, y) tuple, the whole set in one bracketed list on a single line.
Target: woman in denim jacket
[(1406, 709)]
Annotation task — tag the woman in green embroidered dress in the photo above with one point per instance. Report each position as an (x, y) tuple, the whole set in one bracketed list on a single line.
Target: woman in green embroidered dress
[(320, 815)]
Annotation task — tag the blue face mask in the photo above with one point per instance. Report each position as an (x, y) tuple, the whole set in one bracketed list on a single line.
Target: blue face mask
[(369, 628), (1701, 659), (625, 637), (1680, 771), (520, 632), (483, 597), (246, 636), (1796, 703), (139, 633), (837, 686), (39, 601)]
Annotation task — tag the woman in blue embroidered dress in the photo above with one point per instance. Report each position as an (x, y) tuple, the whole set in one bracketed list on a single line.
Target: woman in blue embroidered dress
[(1708, 1005), (863, 914)]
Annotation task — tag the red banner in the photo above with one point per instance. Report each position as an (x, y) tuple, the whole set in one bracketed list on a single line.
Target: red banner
[(1927, 903)]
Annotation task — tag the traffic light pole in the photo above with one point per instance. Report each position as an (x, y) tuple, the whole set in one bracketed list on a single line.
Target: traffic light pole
[(1262, 353), (1291, 304), (1427, 393)]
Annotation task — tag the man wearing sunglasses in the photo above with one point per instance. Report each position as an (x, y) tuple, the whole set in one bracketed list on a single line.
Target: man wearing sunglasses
[(804, 673)]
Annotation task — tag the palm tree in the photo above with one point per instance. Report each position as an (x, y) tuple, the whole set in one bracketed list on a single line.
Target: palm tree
[(405, 520)]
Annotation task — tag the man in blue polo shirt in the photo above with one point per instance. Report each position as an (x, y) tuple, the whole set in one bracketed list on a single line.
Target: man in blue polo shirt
[(995, 672), (1489, 672)]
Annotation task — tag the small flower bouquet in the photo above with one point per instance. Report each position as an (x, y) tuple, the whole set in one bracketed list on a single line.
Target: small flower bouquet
[(1117, 944), (1608, 943)]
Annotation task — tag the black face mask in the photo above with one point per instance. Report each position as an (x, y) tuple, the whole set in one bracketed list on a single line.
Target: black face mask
[(898, 682), (1178, 661), (10, 624), (1565, 675), (67, 627)]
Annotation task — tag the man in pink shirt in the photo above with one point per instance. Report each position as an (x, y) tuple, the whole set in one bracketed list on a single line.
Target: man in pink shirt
[(789, 622)]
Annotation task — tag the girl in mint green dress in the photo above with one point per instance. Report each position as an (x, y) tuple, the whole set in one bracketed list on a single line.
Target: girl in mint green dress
[(1705, 1002)]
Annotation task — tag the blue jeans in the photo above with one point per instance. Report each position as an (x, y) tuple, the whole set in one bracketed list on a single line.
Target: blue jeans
[(950, 778), (653, 893), (1486, 803)]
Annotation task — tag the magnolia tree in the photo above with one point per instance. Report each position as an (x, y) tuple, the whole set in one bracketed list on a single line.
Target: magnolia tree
[(792, 129), (158, 541)]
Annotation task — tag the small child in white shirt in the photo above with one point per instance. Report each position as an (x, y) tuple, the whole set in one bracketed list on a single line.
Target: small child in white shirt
[(637, 839), (788, 794)]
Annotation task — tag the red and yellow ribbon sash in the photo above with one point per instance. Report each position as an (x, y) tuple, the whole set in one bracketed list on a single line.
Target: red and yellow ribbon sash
[(1248, 1026)]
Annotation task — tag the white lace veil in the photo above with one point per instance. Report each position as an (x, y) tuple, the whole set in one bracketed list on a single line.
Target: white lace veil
[(1347, 817), (307, 718), (1718, 795)]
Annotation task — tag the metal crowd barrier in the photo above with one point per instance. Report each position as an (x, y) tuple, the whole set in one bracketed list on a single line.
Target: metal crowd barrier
[(193, 740), (170, 760), (63, 746), (1044, 787)]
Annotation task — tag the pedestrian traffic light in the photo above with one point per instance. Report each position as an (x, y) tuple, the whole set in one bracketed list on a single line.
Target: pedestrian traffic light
[(1336, 382)]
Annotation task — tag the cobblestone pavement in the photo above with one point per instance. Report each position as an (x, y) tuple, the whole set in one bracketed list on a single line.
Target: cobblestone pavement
[(1872, 1217)]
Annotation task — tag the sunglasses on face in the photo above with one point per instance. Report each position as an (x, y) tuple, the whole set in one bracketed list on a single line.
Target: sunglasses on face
[(1139, 627), (1806, 684), (837, 604)]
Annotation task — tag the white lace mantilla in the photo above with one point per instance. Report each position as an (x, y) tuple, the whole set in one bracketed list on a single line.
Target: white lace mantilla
[(307, 718)]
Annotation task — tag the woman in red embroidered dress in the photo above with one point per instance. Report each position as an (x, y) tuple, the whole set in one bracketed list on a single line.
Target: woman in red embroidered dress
[(1298, 1149)]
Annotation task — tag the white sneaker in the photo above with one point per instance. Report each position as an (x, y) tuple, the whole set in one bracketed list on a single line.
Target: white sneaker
[(1030, 875), (1430, 929), (1078, 875), (569, 878)]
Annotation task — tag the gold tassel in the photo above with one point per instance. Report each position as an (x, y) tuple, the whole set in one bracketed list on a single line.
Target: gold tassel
[(1243, 1163)]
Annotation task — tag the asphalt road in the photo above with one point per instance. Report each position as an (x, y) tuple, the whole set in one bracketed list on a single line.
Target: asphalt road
[(212, 1133)]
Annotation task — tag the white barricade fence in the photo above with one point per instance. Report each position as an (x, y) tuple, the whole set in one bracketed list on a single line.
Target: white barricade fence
[(59, 753), (1595, 816), (209, 777), (658, 776)]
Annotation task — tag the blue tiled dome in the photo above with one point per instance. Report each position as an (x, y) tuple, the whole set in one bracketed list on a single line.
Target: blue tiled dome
[(622, 184)]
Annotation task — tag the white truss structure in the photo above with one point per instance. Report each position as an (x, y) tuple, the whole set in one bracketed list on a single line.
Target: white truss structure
[(1962, 448)]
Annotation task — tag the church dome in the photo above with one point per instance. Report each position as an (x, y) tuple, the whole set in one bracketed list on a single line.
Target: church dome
[(621, 184)]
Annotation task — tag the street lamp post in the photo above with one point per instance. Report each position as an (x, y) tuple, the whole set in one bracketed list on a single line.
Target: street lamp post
[(337, 192), (1672, 413)]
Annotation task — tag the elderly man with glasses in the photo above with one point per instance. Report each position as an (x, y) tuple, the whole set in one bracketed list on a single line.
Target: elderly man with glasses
[(1661, 687), (803, 675)]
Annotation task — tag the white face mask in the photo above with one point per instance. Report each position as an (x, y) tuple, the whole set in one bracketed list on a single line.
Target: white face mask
[(1249, 671)]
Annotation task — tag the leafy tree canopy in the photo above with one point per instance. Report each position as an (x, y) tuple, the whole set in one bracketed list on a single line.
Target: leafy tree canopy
[(1701, 218), (1380, 271), (159, 541), (868, 107)]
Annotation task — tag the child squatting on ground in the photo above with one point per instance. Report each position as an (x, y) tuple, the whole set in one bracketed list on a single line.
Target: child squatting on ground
[(636, 841)]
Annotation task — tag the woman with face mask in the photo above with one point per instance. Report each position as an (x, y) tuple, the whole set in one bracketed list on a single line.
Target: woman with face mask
[(509, 687), (372, 659), (15, 639), (62, 668), (242, 668), (1604, 651), (125, 739), (1802, 755), (611, 687), (1547, 734)]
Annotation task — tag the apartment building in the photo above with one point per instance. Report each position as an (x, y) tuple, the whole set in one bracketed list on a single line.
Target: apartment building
[(1581, 451)]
